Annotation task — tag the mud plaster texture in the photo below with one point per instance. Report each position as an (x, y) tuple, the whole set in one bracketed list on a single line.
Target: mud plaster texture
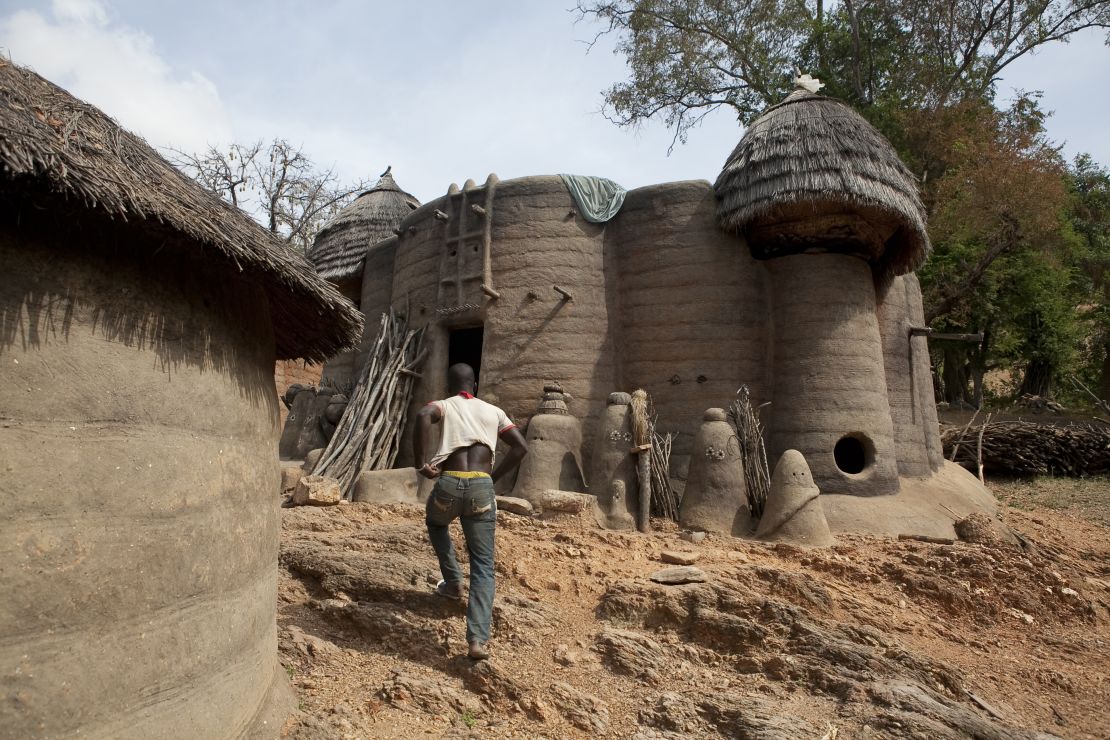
[(294, 372), (662, 299), (140, 531), (716, 496), (554, 459), (793, 510)]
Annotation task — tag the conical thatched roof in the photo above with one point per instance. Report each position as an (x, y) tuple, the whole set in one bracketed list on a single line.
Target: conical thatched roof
[(340, 247), (811, 154), (53, 143)]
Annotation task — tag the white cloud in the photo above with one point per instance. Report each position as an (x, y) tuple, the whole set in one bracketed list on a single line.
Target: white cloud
[(118, 69)]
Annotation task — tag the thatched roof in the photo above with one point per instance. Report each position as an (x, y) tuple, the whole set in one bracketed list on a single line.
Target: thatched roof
[(811, 153), (339, 249), (53, 142)]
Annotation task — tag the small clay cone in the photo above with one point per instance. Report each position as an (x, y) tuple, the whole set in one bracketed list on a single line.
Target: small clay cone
[(793, 510), (716, 497), (613, 475), (554, 450)]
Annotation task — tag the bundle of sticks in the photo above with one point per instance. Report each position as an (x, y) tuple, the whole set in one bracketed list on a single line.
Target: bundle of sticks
[(368, 437), (749, 433), (1025, 448), (664, 499)]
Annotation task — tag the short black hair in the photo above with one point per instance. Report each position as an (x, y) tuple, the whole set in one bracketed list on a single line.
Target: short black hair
[(460, 377)]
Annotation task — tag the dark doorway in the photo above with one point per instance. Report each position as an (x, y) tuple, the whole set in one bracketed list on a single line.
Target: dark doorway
[(465, 345)]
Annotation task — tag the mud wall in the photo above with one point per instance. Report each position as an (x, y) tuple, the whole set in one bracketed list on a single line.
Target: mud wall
[(531, 333), (339, 370), (906, 410), (828, 373), (289, 372), (139, 539), (693, 306), (377, 293)]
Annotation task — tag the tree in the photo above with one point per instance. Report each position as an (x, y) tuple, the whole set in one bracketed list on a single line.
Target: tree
[(688, 58), (277, 184), (924, 73)]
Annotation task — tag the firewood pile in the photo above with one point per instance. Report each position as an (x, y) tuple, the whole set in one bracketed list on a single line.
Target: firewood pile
[(368, 437), (749, 434), (1025, 448)]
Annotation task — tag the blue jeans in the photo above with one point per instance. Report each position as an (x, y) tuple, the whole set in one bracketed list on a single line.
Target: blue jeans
[(472, 501)]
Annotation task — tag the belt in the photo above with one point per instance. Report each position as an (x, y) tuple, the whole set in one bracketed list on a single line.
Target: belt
[(465, 474)]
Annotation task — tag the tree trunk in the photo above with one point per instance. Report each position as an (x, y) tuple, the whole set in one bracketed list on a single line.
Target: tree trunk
[(955, 377), (1037, 379)]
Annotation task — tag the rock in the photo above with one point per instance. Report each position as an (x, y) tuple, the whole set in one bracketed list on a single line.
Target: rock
[(695, 537), (406, 691), (581, 710), (793, 512), (981, 529), (514, 505), (679, 575), (716, 495), (565, 656), (678, 557), (400, 485), (311, 459), (568, 502), (316, 490), (633, 654), (289, 477)]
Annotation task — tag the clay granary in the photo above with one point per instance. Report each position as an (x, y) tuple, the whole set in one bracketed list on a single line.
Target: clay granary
[(140, 318), (792, 275)]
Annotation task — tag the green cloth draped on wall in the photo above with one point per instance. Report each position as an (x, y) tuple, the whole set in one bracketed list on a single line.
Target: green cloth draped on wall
[(598, 198)]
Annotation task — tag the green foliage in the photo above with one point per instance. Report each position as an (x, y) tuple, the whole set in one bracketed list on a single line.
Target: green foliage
[(469, 719), (1019, 241)]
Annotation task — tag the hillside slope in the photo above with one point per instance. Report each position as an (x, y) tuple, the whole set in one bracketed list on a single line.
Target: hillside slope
[(871, 638)]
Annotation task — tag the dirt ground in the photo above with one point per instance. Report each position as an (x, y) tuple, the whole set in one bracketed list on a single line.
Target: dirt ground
[(870, 638)]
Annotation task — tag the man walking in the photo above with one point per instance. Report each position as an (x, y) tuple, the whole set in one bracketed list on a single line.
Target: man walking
[(464, 473)]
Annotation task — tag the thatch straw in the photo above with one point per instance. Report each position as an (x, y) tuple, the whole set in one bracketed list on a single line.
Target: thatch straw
[(641, 423), (817, 153), (53, 144), (340, 247)]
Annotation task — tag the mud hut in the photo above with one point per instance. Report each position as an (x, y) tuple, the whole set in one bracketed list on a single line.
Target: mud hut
[(793, 276), (140, 319), (824, 200), (340, 249)]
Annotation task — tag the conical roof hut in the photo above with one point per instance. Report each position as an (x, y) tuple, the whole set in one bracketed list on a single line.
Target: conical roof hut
[(811, 169), (147, 315), (340, 247), (57, 144)]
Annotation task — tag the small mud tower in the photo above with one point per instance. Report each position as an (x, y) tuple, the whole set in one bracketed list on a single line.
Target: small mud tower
[(141, 318), (339, 254), (822, 197)]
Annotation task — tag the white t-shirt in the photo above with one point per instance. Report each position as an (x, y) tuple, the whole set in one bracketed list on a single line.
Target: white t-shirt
[(467, 421)]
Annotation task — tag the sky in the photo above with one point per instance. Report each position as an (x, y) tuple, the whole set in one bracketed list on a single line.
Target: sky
[(443, 91)]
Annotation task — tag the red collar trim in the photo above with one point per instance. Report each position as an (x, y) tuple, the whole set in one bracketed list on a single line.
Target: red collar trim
[(464, 394)]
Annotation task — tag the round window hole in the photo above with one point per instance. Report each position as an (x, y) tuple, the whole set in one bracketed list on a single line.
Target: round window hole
[(853, 453)]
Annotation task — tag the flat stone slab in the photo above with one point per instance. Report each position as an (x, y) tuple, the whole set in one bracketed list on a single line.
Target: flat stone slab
[(565, 501), (515, 505), (678, 557), (396, 486), (679, 575), (316, 490), (694, 537)]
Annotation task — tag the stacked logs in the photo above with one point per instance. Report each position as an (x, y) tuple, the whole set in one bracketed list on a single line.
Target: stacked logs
[(664, 499), (749, 434), (1025, 448), (368, 437)]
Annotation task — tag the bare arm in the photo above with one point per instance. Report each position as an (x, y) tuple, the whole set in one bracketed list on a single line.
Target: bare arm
[(518, 448), (425, 418)]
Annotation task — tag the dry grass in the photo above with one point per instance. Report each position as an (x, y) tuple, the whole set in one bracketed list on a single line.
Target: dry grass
[(1085, 498)]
